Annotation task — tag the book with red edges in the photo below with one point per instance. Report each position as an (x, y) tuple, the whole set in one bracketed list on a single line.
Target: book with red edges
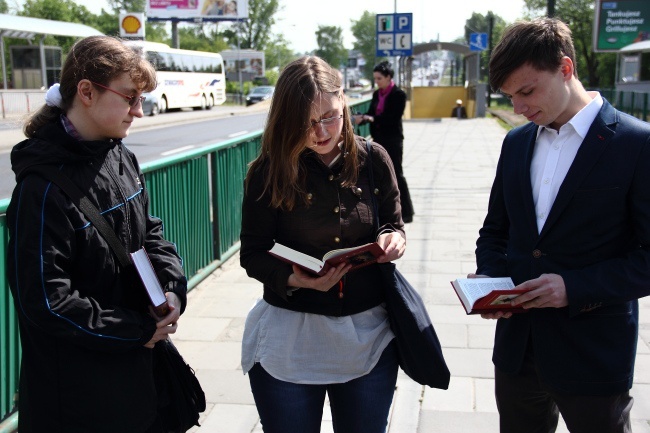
[(150, 281), (487, 295), (359, 257)]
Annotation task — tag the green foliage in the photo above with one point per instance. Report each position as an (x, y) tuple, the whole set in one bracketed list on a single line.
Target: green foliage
[(479, 23), (255, 31), (277, 53), (4, 7), (202, 37), (272, 76), (364, 30), (330, 45), (58, 10), (596, 70), (126, 5)]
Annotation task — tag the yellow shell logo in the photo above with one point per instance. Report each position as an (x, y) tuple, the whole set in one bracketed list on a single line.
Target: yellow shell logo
[(131, 24)]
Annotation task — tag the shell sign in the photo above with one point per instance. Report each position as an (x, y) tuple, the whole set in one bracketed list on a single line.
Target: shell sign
[(132, 25)]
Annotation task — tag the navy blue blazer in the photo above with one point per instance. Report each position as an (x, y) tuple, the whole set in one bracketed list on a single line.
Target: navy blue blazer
[(597, 237)]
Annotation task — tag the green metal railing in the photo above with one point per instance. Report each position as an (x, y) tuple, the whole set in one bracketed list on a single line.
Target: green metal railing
[(633, 103), (197, 194), (10, 350)]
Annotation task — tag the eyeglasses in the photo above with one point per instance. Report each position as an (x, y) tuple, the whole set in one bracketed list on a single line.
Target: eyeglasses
[(327, 121), (132, 100)]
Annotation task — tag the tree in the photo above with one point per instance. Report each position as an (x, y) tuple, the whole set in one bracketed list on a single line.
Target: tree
[(595, 69), (58, 10), (4, 8), (277, 53), (330, 45), (364, 31), (126, 5), (203, 37), (255, 31), (479, 23)]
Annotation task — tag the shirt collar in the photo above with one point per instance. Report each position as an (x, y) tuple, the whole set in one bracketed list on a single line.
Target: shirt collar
[(583, 119), (69, 128)]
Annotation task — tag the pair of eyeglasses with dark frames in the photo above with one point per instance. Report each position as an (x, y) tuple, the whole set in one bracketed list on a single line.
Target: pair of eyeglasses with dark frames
[(132, 100), (327, 121)]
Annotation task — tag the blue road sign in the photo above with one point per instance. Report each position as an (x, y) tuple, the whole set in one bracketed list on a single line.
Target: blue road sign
[(477, 41), (394, 35)]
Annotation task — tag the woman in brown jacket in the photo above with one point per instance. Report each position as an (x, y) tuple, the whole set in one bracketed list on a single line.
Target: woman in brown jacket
[(309, 190)]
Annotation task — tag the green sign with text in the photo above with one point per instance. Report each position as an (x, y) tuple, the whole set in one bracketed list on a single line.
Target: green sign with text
[(621, 23)]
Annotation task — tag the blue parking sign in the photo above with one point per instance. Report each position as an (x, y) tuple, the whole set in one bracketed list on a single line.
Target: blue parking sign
[(394, 35)]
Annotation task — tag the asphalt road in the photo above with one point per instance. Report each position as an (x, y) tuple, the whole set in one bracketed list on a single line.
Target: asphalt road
[(156, 137)]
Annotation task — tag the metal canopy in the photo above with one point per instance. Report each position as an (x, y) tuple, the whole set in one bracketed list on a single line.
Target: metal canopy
[(14, 26)]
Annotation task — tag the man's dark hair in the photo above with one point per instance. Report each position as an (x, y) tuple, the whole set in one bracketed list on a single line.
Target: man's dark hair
[(385, 68), (540, 43)]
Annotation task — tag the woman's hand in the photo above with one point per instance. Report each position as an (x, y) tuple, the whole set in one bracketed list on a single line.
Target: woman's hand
[(302, 279), (168, 324), (393, 245)]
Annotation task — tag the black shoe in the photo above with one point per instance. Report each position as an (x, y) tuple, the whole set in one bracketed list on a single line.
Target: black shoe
[(407, 219)]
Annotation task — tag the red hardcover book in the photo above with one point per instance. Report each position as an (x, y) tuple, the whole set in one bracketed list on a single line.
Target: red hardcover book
[(487, 295), (359, 257)]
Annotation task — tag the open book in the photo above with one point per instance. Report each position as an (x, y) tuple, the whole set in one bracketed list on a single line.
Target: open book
[(150, 281), (487, 295), (357, 256)]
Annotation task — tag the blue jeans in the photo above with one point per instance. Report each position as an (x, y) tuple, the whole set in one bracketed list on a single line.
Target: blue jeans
[(360, 405)]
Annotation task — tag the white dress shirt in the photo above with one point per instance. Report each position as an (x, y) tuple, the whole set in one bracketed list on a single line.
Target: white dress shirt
[(553, 155)]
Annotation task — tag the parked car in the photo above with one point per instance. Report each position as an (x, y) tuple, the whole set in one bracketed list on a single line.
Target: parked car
[(150, 106), (258, 94)]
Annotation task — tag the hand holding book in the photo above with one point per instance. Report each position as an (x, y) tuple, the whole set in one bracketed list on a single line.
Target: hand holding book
[(358, 257), (487, 295)]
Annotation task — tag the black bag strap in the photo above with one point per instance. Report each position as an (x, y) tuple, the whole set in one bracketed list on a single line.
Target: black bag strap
[(91, 212), (371, 181)]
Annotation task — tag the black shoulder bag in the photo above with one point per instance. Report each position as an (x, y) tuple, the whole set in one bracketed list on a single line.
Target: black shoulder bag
[(180, 396), (418, 348)]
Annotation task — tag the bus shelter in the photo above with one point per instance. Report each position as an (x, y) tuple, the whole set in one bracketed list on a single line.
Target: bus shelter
[(13, 26), (437, 101)]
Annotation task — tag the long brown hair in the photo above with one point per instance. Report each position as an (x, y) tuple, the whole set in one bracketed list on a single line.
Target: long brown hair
[(100, 59), (288, 127)]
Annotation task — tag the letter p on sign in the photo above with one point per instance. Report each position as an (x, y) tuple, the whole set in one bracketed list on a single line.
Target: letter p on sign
[(403, 22)]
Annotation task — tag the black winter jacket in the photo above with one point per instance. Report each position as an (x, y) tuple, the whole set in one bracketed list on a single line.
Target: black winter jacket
[(83, 319)]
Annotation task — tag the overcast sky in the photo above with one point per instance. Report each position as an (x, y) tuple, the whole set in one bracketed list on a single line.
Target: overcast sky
[(299, 19)]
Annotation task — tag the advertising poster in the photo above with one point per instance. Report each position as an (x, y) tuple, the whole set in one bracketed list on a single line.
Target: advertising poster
[(192, 10), (620, 23)]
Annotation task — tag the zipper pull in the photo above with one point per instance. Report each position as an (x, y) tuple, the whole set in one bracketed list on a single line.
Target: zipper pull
[(340, 289)]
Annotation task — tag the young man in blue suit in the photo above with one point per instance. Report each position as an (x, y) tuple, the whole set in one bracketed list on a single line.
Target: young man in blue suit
[(568, 218)]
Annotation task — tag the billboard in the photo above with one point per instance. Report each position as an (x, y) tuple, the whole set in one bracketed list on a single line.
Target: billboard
[(620, 23), (197, 10)]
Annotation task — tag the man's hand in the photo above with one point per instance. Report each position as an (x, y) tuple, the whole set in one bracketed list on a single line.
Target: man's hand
[(168, 324), (546, 291)]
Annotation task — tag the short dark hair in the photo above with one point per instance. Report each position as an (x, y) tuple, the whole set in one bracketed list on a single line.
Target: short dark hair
[(385, 68), (540, 43)]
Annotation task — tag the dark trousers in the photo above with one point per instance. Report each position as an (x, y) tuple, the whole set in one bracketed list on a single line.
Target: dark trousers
[(527, 405), (360, 405), (395, 149)]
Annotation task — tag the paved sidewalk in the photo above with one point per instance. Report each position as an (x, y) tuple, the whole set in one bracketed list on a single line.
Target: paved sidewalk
[(449, 165)]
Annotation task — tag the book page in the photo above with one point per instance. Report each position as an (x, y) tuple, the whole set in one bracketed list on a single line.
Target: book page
[(476, 288), (336, 253), (296, 257)]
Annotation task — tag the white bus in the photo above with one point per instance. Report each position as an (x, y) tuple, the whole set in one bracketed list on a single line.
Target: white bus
[(185, 78)]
